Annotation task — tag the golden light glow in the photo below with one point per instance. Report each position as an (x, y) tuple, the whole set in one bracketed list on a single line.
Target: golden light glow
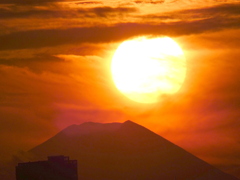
[(146, 69)]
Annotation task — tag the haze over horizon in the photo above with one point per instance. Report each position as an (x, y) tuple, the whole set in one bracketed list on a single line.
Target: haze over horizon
[(55, 71)]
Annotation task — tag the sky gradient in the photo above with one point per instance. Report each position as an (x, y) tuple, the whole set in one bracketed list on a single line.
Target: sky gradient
[(55, 71)]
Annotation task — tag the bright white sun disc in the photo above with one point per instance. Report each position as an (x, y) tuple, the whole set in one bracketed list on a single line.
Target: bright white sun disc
[(145, 69)]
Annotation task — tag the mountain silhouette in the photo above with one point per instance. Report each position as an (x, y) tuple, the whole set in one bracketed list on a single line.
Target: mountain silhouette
[(117, 151)]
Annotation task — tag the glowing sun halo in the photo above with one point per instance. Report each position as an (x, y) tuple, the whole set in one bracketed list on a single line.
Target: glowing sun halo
[(146, 69)]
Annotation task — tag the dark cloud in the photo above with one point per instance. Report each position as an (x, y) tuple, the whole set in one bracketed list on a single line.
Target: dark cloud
[(22, 61), (220, 10), (38, 63), (24, 14), (63, 12), (89, 2), (149, 2), (223, 11), (29, 2), (105, 11), (54, 37)]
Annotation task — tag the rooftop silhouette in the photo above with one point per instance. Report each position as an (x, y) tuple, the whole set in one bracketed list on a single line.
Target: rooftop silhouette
[(56, 167)]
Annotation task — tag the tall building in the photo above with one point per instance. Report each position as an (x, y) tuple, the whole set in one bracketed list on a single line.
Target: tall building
[(55, 168)]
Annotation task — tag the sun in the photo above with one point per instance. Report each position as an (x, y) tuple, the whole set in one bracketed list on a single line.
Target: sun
[(147, 69)]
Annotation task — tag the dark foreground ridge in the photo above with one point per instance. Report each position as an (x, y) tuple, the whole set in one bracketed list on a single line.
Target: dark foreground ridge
[(126, 150)]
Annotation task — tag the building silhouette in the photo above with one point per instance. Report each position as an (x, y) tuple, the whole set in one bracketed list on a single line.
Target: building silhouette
[(56, 167)]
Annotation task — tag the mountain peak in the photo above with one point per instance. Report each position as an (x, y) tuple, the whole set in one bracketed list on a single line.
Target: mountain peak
[(126, 151), (96, 127), (128, 121), (90, 127), (131, 123)]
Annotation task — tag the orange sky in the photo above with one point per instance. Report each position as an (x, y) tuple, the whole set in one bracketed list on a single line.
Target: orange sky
[(54, 71)]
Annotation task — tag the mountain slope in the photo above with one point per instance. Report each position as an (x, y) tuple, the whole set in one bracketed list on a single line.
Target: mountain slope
[(126, 151)]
